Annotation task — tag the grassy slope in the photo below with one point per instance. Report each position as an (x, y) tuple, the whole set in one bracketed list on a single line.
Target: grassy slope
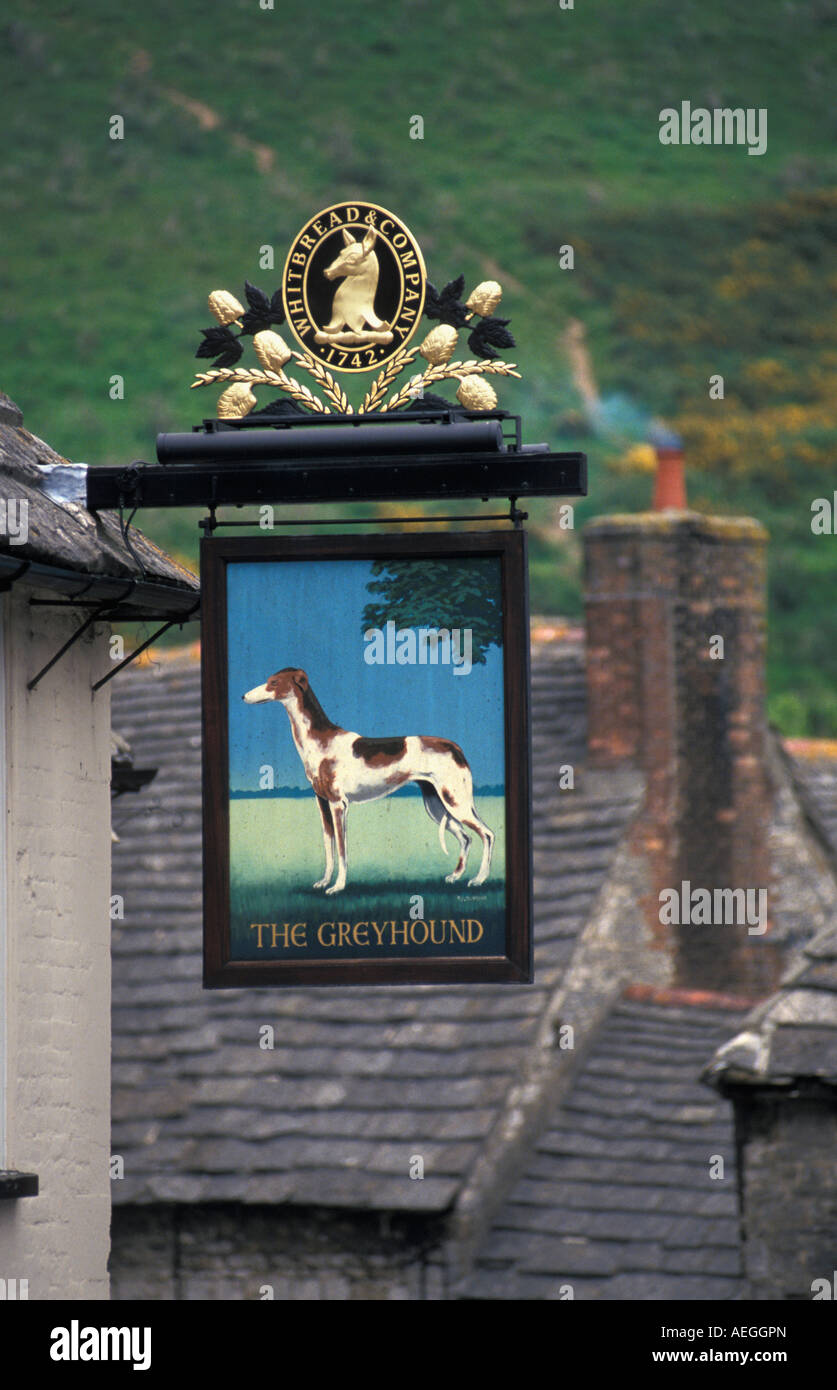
[(540, 129)]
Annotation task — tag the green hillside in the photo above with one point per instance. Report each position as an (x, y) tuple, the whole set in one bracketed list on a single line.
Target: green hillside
[(540, 130)]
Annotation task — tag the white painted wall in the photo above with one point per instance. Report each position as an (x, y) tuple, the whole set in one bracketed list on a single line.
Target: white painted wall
[(57, 987)]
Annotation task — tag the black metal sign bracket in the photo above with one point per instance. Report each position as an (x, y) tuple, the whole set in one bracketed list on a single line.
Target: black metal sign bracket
[(342, 458), (93, 616)]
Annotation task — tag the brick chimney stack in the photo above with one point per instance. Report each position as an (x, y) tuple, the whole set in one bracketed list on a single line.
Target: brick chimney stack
[(676, 686)]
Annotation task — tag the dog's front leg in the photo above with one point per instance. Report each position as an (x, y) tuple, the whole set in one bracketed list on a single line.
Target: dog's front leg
[(338, 815), (328, 841)]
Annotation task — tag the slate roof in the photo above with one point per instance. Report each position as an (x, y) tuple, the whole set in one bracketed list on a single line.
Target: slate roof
[(813, 765), (792, 1036), (359, 1079), (66, 538), (615, 1197)]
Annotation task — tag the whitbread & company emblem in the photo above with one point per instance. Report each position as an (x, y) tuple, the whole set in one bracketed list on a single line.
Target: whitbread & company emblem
[(353, 291), (353, 286)]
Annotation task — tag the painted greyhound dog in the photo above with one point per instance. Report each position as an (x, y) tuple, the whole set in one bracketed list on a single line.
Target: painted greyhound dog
[(343, 767)]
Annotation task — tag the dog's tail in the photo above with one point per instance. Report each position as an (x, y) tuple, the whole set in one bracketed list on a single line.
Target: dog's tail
[(435, 808), (443, 825)]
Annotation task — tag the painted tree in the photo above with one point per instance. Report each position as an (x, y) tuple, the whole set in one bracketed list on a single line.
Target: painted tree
[(440, 593)]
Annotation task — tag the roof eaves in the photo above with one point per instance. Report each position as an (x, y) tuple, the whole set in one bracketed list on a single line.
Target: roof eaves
[(132, 599)]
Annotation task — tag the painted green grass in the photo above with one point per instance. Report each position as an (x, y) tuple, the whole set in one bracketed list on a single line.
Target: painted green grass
[(276, 855)]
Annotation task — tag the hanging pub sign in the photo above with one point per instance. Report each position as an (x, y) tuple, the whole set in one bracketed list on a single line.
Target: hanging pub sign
[(366, 767), (365, 698)]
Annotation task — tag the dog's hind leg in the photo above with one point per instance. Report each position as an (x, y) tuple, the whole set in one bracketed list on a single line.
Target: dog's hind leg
[(469, 820), (436, 810), (464, 841), (328, 841), (474, 822)]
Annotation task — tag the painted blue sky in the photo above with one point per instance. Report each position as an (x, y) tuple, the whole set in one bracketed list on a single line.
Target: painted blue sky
[(309, 614)]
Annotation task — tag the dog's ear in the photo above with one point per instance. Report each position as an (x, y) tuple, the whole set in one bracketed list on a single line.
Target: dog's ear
[(301, 680)]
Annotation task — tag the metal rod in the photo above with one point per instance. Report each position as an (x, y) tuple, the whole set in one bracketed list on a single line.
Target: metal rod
[(91, 618), (79, 632), (139, 650), (364, 520), (318, 447)]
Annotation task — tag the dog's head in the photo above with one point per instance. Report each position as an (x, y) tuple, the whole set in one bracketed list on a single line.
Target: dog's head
[(288, 686)]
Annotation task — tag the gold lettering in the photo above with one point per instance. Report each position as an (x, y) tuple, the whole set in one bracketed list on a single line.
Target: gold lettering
[(413, 929), (297, 258), (352, 215), (296, 306), (387, 222), (399, 240), (299, 926), (379, 932), (405, 927), (307, 241), (356, 933), (441, 940), (460, 935), (259, 928), (413, 279), (318, 228), (472, 922), (371, 218), (279, 931), (411, 294), (321, 928), (407, 258), (343, 930), (334, 220)]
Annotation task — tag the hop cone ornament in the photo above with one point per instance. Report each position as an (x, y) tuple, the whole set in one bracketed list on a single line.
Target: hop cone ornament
[(272, 350), (439, 345), (485, 298), (237, 400), (475, 393), (225, 307)]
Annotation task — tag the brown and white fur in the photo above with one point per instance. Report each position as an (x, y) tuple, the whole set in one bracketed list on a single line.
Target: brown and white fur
[(343, 767)]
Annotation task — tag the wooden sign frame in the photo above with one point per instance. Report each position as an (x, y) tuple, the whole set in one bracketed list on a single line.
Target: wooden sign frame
[(269, 794)]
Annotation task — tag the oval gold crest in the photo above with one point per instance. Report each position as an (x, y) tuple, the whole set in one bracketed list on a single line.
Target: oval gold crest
[(353, 286)]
